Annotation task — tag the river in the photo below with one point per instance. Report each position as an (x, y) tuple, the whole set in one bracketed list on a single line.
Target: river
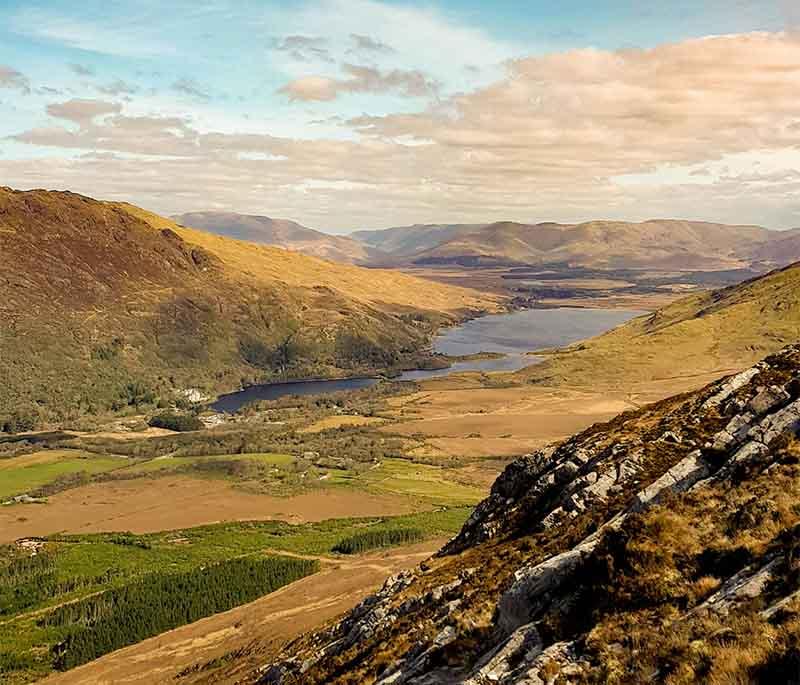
[(512, 335)]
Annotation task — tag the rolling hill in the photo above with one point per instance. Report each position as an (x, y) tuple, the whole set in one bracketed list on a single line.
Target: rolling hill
[(783, 247), (712, 332), (282, 233), (107, 306), (661, 244), (405, 241)]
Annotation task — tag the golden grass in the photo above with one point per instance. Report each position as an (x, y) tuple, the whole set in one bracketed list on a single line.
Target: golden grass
[(266, 265)]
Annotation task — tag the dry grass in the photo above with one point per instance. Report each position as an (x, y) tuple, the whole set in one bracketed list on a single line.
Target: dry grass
[(712, 333), (268, 265)]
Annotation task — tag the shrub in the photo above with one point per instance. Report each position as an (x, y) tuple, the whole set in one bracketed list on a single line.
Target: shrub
[(20, 421), (176, 422)]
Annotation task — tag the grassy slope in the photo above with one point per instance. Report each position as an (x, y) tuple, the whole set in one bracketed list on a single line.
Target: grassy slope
[(102, 307), (713, 332), (281, 233), (265, 264)]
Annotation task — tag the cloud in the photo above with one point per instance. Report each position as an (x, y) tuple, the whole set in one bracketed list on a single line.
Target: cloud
[(361, 80), (367, 44), (82, 70), (791, 13), (11, 78), (425, 37), (305, 48), (190, 87), (82, 111), (118, 87), (565, 136), (590, 113)]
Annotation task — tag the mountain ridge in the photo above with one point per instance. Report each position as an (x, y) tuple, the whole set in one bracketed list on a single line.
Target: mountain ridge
[(662, 244), (283, 233)]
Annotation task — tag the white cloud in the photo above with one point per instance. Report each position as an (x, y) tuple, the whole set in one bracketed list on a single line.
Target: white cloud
[(407, 37), (361, 79)]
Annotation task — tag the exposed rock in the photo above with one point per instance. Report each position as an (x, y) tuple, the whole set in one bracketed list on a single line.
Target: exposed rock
[(731, 386), (515, 586), (768, 399)]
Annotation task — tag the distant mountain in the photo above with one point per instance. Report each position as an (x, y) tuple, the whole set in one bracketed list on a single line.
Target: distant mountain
[(282, 233), (661, 244), (783, 249), (665, 244), (405, 241), (108, 306)]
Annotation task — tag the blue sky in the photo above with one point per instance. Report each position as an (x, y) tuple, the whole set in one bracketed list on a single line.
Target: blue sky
[(291, 85)]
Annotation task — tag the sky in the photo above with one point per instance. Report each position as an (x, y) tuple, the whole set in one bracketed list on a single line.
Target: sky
[(352, 114)]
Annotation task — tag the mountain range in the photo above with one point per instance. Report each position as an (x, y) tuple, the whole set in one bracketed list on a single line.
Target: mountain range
[(655, 244), (663, 244)]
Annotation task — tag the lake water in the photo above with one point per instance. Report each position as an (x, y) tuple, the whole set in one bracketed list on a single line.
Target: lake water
[(512, 334), (518, 333)]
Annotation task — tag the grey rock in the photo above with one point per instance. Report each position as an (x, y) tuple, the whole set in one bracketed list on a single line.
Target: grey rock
[(768, 399), (731, 386)]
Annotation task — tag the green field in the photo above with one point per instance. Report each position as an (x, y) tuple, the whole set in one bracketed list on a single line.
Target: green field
[(270, 473), (177, 463), (87, 564), (430, 484), (23, 474)]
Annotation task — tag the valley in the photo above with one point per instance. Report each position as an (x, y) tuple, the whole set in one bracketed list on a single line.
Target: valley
[(386, 342), (237, 406)]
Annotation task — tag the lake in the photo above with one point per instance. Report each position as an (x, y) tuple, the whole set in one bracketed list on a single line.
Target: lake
[(512, 334)]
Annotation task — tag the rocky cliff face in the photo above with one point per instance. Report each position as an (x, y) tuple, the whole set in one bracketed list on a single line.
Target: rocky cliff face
[(663, 546)]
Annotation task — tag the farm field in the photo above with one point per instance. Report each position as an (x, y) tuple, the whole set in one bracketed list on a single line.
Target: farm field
[(386, 467), (31, 471)]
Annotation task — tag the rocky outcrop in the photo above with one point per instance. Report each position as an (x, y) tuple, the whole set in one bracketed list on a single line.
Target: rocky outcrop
[(508, 599)]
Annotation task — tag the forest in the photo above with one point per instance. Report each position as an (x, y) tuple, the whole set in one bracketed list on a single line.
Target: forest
[(162, 601)]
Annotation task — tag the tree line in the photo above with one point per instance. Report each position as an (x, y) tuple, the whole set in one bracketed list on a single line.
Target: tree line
[(375, 539)]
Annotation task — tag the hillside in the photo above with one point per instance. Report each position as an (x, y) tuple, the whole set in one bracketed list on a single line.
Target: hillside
[(784, 247), (656, 244), (659, 547), (709, 333), (281, 233), (405, 241), (107, 306)]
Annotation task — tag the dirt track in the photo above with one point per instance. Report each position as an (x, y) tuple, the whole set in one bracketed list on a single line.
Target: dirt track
[(270, 621)]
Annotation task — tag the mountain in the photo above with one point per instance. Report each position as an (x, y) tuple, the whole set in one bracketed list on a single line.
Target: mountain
[(710, 333), (659, 547), (661, 244), (281, 233), (405, 241), (783, 249), (107, 306)]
